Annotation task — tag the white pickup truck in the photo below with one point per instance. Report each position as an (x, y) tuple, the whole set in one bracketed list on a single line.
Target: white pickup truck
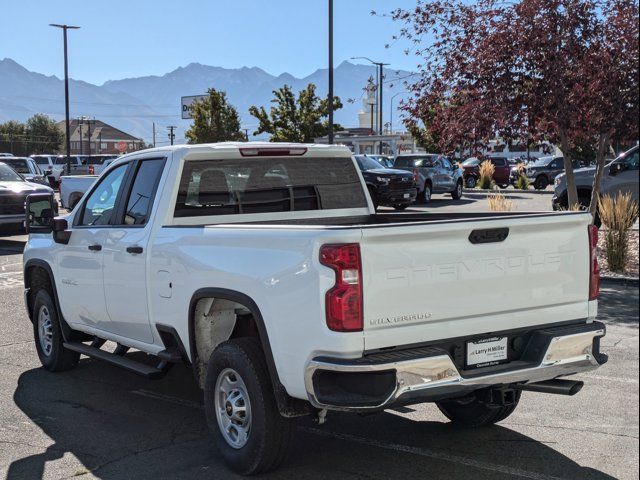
[(266, 268)]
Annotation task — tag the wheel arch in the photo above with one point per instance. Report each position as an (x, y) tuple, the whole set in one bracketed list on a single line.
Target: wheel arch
[(288, 406), (33, 269)]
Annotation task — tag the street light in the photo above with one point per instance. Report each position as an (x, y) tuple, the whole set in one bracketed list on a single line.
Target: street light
[(391, 110), (380, 66), (330, 94), (66, 89)]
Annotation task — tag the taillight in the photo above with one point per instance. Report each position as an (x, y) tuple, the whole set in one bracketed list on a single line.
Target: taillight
[(594, 268), (344, 300), (91, 170)]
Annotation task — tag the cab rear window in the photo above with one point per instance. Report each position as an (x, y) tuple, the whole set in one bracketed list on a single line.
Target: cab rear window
[(245, 186)]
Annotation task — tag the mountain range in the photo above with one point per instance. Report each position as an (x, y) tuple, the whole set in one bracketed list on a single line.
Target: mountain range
[(134, 104)]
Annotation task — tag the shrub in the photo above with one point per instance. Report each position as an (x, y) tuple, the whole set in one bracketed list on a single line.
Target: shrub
[(618, 215), (485, 178), (499, 203), (522, 183)]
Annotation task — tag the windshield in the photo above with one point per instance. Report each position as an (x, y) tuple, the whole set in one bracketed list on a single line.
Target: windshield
[(414, 161), (366, 163), (41, 160), (470, 162), (542, 161), (19, 166), (8, 175)]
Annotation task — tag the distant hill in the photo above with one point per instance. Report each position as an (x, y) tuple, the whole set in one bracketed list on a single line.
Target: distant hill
[(132, 104)]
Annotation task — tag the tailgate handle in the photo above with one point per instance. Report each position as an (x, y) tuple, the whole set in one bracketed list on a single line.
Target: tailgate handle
[(489, 235)]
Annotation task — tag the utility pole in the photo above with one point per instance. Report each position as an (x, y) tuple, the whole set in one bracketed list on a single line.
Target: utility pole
[(81, 142), (246, 133), (380, 72), (171, 134), (154, 134), (330, 99), (89, 122), (66, 90)]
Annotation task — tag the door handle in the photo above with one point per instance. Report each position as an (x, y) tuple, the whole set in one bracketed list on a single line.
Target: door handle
[(134, 249), (95, 248)]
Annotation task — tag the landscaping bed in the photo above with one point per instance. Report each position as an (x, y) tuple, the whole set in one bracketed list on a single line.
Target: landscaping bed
[(631, 269)]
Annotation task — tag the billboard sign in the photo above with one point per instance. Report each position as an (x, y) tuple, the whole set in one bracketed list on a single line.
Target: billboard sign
[(186, 103)]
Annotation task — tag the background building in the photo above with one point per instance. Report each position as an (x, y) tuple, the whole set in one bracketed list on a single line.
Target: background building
[(89, 136)]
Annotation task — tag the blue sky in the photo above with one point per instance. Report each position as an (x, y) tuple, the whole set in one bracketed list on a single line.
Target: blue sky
[(120, 39)]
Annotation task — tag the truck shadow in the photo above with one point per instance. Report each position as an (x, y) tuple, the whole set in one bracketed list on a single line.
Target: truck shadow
[(118, 425)]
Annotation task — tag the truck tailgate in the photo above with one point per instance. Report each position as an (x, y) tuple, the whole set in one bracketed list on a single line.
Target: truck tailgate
[(429, 281)]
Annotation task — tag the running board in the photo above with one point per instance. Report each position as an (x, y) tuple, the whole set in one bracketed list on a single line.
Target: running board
[(117, 360)]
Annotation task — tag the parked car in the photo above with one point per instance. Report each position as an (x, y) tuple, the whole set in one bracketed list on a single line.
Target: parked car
[(542, 171), (387, 187), (621, 175), (47, 164), (73, 187), (471, 167), (266, 269), (27, 168), (13, 192), (432, 173), (6, 154)]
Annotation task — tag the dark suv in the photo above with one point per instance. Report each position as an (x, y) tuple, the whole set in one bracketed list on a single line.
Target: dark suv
[(392, 188)]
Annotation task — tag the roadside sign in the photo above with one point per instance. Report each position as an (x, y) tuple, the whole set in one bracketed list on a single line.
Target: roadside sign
[(186, 103), (122, 147)]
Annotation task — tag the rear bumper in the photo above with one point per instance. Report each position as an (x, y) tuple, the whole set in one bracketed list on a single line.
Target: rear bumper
[(426, 374)]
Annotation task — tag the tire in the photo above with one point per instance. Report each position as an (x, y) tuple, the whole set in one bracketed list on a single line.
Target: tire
[(400, 207), (48, 335), (584, 199), (470, 412), (240, 365), (426, 193), (471, 182), (541, 182), (457, 193)]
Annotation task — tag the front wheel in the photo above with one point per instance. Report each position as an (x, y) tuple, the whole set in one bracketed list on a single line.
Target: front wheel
[(48, 335), (541, 182), (241, 408), (472, 412), (457, 193)]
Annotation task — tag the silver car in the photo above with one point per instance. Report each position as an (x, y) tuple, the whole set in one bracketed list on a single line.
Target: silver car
[(432, 173), (621, 175)]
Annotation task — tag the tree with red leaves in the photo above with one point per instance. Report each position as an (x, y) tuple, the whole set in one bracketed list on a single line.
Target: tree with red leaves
[(525, 71)]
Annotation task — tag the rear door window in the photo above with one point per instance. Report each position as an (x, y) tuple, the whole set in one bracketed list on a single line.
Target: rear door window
[(244, 186)]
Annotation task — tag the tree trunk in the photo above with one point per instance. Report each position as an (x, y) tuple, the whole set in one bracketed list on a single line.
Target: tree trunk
[(572, 191), (603, 141)]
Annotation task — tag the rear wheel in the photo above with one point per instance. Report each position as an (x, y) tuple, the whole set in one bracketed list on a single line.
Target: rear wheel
[(541, 182), (48, 335), (241, 408), (471, 411), (426, 193), (457, 193), (471, 182)]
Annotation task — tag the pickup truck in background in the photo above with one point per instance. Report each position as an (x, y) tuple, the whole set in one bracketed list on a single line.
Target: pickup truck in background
[(72, 187), (265, 267)]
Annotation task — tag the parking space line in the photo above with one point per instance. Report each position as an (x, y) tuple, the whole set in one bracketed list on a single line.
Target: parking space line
[(168, 398), (447, 457)]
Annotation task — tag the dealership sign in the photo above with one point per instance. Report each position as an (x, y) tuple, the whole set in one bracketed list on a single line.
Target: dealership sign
[(186, 104)]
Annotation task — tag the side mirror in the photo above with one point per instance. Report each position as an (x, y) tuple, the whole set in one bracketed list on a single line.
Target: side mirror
[(40, 210)]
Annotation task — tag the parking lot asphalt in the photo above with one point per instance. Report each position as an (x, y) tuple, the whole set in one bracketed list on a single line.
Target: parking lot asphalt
[(98, 421)]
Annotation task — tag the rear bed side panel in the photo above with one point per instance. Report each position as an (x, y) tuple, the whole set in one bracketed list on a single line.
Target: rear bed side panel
[(429, 282), (277, 268)]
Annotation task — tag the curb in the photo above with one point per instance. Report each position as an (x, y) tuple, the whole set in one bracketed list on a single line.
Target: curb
[(506, 191), (626, 281)]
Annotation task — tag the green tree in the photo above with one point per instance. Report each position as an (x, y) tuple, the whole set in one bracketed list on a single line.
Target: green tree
[(12, 137), (214, 120), (43, 135), (295, 120)]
